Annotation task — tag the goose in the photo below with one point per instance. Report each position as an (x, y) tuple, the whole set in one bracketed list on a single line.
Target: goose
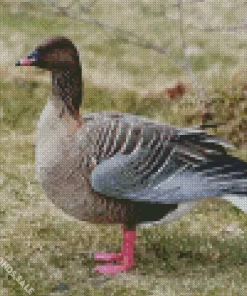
[(119, 168)]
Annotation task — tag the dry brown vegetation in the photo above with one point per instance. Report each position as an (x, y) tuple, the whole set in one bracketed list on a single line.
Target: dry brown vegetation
[(202, 254)]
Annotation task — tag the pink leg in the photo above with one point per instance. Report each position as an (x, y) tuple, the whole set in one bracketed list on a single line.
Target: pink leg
[(126, 257)]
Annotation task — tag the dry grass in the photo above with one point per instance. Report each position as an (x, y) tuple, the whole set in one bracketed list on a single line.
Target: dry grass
[(205, 252)]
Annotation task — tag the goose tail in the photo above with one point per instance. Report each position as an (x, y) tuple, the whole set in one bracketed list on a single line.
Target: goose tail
[(239, 201)]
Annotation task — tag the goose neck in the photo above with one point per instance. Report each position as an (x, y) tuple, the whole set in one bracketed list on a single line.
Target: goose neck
[(67, 87)]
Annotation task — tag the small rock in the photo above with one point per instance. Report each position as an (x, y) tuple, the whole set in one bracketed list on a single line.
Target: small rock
[(60, 288)]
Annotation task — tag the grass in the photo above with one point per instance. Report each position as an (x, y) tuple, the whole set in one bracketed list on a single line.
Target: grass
[(204, 253)]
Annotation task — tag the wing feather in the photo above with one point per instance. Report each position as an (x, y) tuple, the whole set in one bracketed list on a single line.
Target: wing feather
[(141, 160)]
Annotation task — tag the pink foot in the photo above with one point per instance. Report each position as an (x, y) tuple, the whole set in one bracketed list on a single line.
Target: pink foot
[(111, 269), (126, 257), (107, 256)]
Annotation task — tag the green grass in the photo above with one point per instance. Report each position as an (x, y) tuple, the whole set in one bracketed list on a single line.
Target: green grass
[(204, 253)]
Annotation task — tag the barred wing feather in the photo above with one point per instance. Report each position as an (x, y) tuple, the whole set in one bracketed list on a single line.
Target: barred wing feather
[(166, 165)]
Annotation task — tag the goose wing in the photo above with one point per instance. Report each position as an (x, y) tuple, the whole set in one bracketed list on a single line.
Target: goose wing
[(143, 160)]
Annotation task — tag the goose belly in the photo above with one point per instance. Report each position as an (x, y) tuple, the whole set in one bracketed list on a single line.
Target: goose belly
[(57, 169), (69, 191), (65, 183)]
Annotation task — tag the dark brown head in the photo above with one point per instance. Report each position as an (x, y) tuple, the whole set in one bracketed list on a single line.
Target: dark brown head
[(55, 54), (60, 56)]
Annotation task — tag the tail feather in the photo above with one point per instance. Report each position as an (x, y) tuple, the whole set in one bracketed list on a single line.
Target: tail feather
[(240, 201)]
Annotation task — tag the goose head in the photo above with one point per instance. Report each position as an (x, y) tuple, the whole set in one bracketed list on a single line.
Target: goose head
[(56, 54), (60, 56)]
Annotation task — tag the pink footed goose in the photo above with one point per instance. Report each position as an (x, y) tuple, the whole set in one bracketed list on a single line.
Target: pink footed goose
[(120, 168)]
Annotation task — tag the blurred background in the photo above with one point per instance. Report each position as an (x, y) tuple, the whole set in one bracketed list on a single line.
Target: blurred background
[(180, 62)]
